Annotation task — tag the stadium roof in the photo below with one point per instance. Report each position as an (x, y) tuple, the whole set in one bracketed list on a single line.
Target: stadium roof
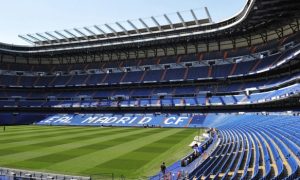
[(142, 26), (257, 22)]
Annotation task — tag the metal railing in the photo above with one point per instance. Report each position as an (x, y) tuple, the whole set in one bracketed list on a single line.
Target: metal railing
[(32, 175)]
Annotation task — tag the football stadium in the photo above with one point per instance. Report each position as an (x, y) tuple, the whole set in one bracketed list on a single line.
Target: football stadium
[(173, 97)]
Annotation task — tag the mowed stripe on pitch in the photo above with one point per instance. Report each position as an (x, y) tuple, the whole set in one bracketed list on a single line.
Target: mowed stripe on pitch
[(132, 162), (13, 159), (57, 138), (85, 162), (178, 150), (19, 130), (54, 137), (39, 144), (6, 138), (36, 134), (44, 162)]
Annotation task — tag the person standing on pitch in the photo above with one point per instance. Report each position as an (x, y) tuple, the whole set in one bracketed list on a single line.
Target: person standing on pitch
[(163, 168), (4, 128)]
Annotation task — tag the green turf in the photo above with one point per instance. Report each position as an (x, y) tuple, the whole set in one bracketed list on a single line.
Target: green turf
[(131, 152)]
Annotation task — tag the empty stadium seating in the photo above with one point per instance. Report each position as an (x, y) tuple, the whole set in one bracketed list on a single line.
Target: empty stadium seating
[(250, 146), (91, 98), (78, 74), (46, 83), (253, 146)]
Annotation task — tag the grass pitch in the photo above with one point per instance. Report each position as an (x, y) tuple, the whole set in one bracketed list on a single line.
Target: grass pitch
[(93, 151)]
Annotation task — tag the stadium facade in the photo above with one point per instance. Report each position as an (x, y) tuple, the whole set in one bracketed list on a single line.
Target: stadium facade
[(240, 75)]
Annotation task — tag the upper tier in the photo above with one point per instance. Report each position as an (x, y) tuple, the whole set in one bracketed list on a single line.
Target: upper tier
[(201, 66)]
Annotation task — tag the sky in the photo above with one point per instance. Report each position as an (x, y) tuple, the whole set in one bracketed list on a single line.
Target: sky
[(36, 16)]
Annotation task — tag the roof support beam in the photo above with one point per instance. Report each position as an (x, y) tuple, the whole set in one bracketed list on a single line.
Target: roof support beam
[(181, 19), (122, 27), (100, 30), (71, 34), (35, 38), (61, 35), (52, 36), (169, 21), (156, 22), (26, 39), (41, 36), (81, 33), (91, 32), (195, 17), (133, 26), (145, 25), (111, 29), (208, 14)]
